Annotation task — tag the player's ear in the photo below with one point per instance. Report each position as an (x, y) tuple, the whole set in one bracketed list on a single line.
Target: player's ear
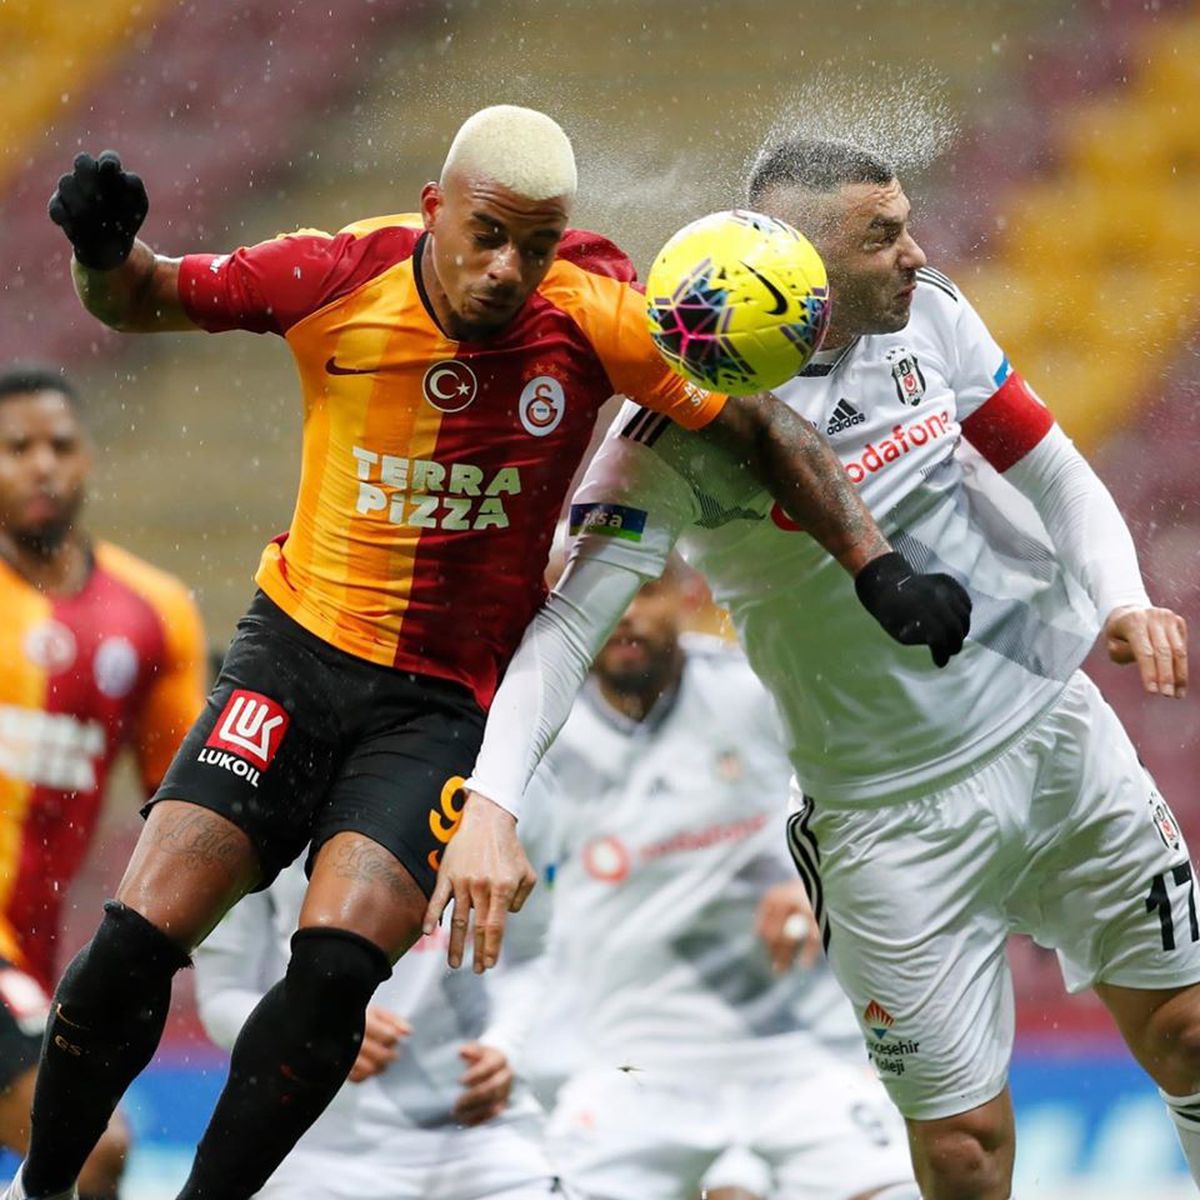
[(431, 201)]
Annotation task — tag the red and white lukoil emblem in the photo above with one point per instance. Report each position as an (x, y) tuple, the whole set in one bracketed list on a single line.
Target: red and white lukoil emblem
[(251, 725), (450, 385)]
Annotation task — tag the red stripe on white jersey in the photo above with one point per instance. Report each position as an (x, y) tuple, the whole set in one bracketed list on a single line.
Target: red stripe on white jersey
[(1009, 424)]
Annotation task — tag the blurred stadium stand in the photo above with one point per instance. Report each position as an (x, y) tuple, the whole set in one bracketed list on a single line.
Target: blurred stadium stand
[(1065, 208)]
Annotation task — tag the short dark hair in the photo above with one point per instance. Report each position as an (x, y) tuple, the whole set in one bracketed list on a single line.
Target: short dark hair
[(816, 164), (21, 379)]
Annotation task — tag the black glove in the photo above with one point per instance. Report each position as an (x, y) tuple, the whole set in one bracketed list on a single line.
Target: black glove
[(100, 207), (928, 610)]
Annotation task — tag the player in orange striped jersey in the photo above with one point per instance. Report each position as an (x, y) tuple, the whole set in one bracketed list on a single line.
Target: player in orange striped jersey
[(97, 650), (452, 365)]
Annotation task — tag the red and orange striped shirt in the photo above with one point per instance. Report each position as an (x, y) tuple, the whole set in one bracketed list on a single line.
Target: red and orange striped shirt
[(433, 471), (120, 662)]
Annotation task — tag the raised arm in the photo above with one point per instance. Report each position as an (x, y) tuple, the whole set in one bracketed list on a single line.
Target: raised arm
[(121, 281)]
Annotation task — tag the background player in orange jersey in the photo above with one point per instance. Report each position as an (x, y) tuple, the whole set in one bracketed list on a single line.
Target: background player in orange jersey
[(452, 364), (97, 650)]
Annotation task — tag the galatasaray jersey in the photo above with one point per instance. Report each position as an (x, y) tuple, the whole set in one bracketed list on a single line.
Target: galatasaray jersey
[(119, 662), (925, 422), (432, 470)]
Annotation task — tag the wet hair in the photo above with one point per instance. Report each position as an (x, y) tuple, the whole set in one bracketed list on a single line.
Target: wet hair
[(22, 379), (521, 148), (816, 165)]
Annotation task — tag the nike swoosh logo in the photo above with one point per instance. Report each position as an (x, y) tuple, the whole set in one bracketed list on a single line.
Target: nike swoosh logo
[(781, 303), (333, 368)]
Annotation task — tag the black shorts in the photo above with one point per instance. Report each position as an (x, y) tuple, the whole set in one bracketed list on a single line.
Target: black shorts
[(23, 1010), (300, 741)]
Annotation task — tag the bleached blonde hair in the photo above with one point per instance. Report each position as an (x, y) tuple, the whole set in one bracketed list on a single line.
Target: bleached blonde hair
[(520, 148)]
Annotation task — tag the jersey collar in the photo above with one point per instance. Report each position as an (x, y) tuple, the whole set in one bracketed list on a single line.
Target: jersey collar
[(825, 362)]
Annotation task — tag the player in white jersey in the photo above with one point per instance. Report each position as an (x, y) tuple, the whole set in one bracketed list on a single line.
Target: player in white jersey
[(432, 1110), (937, 810), (671, 782)]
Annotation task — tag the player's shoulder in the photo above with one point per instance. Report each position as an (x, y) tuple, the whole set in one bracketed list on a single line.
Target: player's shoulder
[(373, 243), (721, 675), (582, 250), (718, 660), (165, 593), (935, 285), (938, 301), (405, 227)]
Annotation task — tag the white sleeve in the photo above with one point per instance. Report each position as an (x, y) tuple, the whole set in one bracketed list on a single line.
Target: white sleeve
[(1083, 520), (627, 515), (235, 966)]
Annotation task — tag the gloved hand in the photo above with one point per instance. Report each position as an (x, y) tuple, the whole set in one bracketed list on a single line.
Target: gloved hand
[(929, 610), (100, 207)]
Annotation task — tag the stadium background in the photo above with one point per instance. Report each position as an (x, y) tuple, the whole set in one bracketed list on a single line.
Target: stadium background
[(1051, 150)]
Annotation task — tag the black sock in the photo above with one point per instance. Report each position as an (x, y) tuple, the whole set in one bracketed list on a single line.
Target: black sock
[(292, 1056), (105, 1023)]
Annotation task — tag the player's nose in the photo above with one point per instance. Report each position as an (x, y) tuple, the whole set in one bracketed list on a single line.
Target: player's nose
[(911, 254), (505, 267)]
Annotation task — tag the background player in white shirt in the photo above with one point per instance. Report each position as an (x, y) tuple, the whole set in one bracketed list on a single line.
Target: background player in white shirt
[(671, 781), (937, 810), (432, 1110)]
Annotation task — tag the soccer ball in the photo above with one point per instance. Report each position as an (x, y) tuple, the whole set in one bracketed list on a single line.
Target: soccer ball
[(737, 302)]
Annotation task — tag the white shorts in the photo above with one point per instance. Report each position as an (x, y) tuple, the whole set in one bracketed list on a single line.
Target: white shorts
[(1062, 836), (827, 1135), (497, 1161)]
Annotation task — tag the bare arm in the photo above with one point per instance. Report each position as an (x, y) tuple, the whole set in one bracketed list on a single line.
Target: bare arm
[(139, 296), (794, 463)]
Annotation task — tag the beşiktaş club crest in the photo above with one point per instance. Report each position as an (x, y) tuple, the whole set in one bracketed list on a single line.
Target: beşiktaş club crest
[(906, 372), (1165, 823)]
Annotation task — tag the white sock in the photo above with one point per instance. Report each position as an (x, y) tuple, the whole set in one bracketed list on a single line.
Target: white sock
[(1185, 1112)]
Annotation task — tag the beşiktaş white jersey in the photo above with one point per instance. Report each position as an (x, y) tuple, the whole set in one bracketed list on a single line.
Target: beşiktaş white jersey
[(248, 952), (867, 717), (670, 830)]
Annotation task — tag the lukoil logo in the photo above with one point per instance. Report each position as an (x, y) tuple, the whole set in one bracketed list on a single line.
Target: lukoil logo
[(248, 731)]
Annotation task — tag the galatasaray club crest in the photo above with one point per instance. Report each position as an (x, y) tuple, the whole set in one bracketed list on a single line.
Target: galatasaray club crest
[(906, 372), (542, 405)]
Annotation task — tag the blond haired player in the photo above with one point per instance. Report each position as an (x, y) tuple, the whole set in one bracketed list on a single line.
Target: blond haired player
[(937, 811), (452, 363)]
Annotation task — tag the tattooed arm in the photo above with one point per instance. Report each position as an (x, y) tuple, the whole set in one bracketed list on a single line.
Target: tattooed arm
[(795, 464)]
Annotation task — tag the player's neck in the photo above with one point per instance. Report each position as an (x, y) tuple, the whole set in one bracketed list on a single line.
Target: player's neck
[(432, 287), (59, 570)]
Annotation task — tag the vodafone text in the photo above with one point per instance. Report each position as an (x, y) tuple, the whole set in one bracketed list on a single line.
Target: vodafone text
[(904, 439), (425, 494)]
